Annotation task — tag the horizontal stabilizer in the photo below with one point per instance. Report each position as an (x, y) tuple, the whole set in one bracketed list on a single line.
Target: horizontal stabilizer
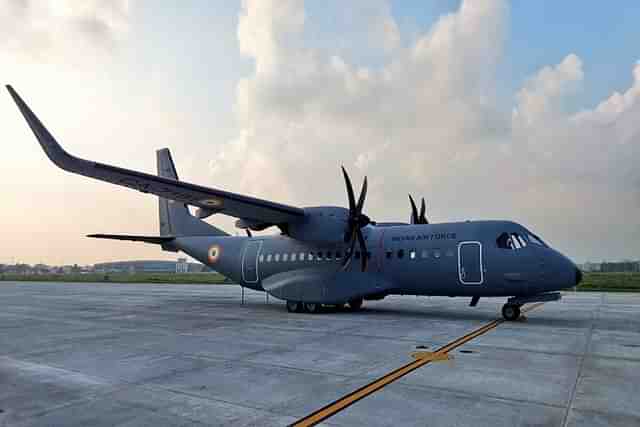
[(157, 240)]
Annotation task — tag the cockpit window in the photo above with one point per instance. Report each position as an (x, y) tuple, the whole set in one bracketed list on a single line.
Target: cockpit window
[(535, 239), (504, 241), (513, 241)]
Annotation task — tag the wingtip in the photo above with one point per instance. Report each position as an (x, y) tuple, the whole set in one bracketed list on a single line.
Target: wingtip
[(14, 95)]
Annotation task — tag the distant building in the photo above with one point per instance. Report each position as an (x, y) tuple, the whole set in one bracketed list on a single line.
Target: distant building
[(150, 266), (620, 267), (182, 266), (589, 267)]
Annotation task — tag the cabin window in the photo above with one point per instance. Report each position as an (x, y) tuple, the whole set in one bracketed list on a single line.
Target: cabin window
[(437, 254), (319, 256), (310, 257), (401, 253), (329, 257), (285, 257), (412, 254), (301, 256), (261, 258), (338, 255), (389, 254), (276, 258), (269, 258), (293, 257), (425, 253)]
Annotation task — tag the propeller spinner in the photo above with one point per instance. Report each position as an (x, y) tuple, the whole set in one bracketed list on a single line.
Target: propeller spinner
[(415, 218), (356, 221)]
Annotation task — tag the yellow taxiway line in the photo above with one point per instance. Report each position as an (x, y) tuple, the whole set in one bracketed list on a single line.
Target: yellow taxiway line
[(422, 358)]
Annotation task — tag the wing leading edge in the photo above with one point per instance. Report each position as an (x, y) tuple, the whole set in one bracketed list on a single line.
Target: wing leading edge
[(235, 205)]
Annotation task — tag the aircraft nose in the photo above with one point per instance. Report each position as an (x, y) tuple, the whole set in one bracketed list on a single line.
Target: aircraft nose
[(578, 276)]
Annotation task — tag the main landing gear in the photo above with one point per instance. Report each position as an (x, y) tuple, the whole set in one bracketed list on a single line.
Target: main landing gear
[(314, 308), (355, 304), (303, 307), (294, 307), (511, 311)]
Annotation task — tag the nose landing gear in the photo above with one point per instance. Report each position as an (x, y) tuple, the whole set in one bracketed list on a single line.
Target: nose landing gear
[(511, 312)]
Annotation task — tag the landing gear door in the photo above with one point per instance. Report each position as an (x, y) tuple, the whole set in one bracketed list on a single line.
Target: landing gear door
[(250, 261), (470, 268)]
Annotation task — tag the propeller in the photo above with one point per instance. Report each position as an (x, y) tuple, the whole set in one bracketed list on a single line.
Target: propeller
[(415, 218), (356, 221)]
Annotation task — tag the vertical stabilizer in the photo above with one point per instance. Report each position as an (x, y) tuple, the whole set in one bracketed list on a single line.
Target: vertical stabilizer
[(175, 218)]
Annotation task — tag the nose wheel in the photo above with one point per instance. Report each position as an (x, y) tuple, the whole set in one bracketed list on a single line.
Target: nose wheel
[(511, 312)]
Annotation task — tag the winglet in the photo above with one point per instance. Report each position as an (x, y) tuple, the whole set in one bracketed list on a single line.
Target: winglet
[(50, 146)]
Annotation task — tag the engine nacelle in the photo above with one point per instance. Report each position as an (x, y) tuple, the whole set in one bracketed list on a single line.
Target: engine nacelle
[(325, 224)]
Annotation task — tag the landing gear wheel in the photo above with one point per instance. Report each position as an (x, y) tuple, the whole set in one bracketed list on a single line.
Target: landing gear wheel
[(294, 307), (312, 307), (355, 304), (510, 312)]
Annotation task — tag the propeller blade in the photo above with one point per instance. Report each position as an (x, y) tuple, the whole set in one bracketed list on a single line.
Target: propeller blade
[(347, 257), (414, 211), (356, 221), (363, 195), (423, 211), (352, 199), (363, 250)]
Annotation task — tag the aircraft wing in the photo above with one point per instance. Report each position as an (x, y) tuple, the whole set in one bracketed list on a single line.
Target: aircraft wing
[(250, 209)]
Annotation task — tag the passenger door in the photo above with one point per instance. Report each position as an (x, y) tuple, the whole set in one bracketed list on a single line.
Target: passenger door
[(470, 268), (250, 272)]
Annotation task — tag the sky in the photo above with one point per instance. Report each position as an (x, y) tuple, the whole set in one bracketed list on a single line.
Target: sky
[(528, 111)]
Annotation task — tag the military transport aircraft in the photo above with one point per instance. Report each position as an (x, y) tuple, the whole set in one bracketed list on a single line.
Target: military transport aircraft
[(311, 262)]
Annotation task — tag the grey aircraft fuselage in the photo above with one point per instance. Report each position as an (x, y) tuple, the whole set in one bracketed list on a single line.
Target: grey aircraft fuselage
[(450, 259)]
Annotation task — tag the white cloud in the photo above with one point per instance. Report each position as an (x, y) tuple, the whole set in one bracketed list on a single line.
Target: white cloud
[(540, 96), (42, 28), (427, 122), (302, 113), (424, 121)]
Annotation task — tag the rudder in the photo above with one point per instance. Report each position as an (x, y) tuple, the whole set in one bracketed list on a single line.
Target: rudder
[(175, 218)]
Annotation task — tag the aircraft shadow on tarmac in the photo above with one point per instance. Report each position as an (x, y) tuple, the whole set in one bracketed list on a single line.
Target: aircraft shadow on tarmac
[(437, 312)]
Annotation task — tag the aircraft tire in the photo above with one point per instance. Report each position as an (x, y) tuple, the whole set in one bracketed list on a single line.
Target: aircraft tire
[(355, 304), (511, 312), (312, 307), (294, 307)]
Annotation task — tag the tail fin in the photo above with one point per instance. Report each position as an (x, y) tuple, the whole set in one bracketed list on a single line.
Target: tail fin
[(175, 218)]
